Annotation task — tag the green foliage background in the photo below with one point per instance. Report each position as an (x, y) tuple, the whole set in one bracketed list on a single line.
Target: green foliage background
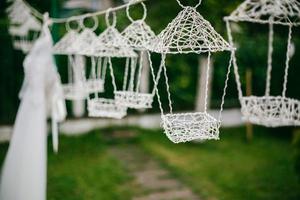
[(183, 69)]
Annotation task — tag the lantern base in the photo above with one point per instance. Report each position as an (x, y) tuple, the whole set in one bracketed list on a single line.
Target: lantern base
[(74, 92), (101, 107), (95, 85), (134, 99), (190, 126), (271, 111)]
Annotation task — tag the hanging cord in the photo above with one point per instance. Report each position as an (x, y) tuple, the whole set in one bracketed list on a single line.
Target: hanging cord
[(270, 53), (158, 73), (99, 69), (132, 74), (207, 81), (104, 69), (137, 89), (70, 70), (112, 74), (236, 70), (98, 74), (167, 82), (126, 74), (156, 81), (39, 15), (92, 75), (287, 63), (226, 86)]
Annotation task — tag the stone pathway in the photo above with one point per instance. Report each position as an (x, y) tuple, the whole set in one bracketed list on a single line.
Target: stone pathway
[(155, 182)]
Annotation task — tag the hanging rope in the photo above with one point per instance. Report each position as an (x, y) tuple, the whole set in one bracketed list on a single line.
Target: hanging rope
[(132, 74), (236, 70), (225, 87), (167, 82), (126, 74), (137, 89), (288, 57), (112, 74), (270, 53), (207, 82), (156, 81), (80, 17)]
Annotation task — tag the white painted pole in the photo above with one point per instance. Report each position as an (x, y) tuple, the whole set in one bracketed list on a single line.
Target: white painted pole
[(200, 94)]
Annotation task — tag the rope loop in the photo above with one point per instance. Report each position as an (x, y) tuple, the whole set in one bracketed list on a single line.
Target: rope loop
[(68, 25), (183, 6), (128, 12), (96, 23), (114, 22)]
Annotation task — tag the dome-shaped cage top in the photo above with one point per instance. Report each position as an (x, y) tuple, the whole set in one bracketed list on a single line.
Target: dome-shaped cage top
[(189, 32), (65, 44), (138, 35), (284, 12), (111, 43)]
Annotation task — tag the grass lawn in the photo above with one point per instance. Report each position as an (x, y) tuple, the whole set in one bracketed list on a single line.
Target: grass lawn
[(228, 169), (231, 168), (83, 170)]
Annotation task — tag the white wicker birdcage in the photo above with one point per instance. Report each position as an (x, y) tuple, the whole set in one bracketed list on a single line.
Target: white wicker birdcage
[(271, 111), (134, 99), (21, 24), (267, 110), (138, 35), (189, 32), (102, 107), (109, 44), (190, 126)]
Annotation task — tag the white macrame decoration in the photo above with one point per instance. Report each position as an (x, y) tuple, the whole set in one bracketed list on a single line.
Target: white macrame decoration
[(22, 22), (104, 107), (110, 44), (75, 88), (96, 80), (84, 46), (138, 35), (267, 110), (189, 32)]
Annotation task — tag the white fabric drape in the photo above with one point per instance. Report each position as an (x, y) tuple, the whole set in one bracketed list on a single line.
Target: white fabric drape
[(25, 168)]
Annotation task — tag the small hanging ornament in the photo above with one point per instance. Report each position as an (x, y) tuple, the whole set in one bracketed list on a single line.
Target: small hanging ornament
[(110, 44), (84, 46), (75, 88), (22, 23), (267, 110), (189, 32), (138, 35)]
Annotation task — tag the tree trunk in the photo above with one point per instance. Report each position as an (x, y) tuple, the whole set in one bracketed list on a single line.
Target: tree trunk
[(249, 126)]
